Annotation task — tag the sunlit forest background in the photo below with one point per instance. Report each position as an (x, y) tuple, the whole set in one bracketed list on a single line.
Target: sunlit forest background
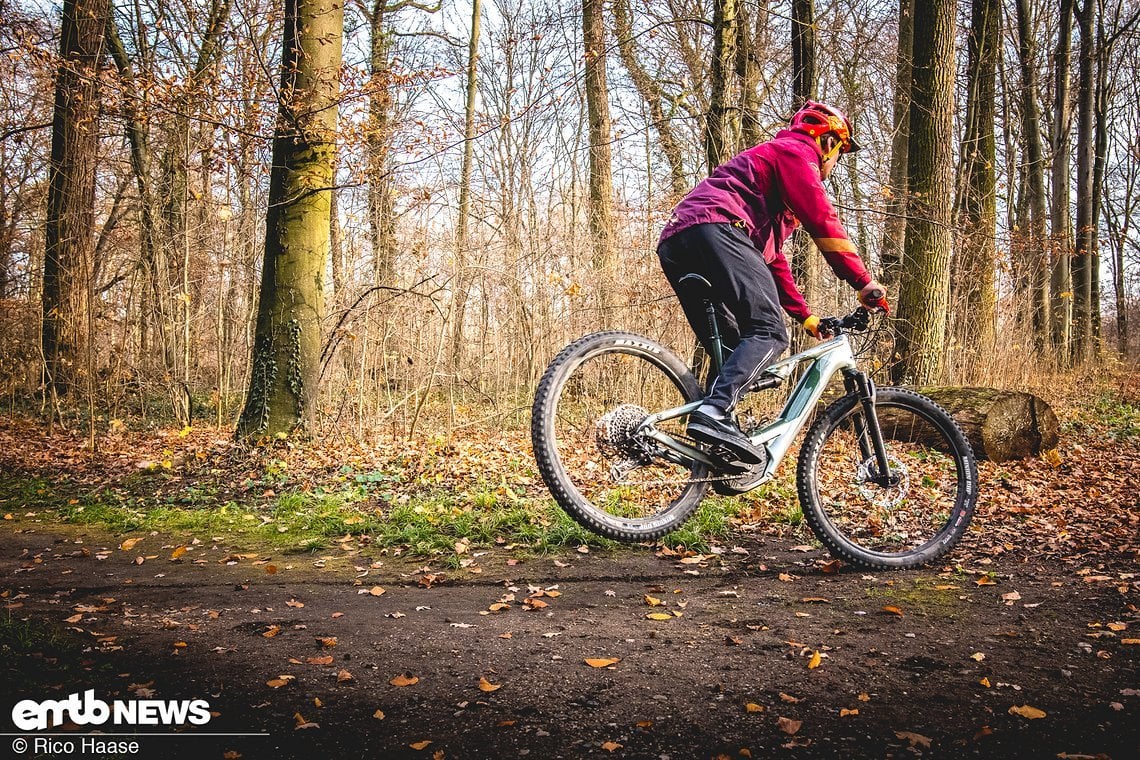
[(484, 212)]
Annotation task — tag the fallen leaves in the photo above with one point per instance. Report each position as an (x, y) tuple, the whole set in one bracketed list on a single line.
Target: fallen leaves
[(893, 610), (752, 707), (915, 740), (815, 661), (789, 726), (487, 686), (602, 662), (343, 676), (279, 681), (178, 552), (1028, 712), (404, 679), (611, 746)]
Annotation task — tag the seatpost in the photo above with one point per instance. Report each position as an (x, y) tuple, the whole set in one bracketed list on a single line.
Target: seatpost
[(714, 332)]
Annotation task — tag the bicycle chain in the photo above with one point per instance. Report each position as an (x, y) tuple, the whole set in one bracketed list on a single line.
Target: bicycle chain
[(711, 479)]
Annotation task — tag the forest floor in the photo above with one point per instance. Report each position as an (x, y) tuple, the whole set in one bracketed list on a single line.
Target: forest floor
[(425, 601)]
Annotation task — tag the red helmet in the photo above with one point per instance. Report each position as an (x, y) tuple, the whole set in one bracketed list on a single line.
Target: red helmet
[(817, 119)]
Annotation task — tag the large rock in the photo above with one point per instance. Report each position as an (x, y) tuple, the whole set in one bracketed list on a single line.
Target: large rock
[(1000, 425)]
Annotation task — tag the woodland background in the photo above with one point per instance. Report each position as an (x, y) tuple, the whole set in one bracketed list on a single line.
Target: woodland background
[(428, 201)]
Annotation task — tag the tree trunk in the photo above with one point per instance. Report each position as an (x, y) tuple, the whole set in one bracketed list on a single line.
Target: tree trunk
[(650, 91), (803, 52), (1061, 299), (381, 194), (1032, 261), (285, 364), (719, 123), (1100, 106), (462, 244), (894, 229), (1000, 425), (469, 126), (751, 31), (1083, 260), (805, 258), (600, 131), (69, 231), (973, 290), (923, 297)]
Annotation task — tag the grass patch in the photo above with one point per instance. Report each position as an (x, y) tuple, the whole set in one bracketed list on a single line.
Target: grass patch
[(31, 648), (919, 597), (380, 509)]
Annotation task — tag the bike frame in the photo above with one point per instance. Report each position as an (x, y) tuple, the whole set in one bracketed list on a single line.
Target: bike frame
[(827, 359)]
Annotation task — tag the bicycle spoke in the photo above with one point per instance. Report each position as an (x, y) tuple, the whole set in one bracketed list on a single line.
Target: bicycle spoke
[(926, 504)]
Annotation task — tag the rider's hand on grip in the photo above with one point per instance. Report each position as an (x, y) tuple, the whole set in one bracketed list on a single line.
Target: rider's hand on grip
[(815, 329), (874, 296)]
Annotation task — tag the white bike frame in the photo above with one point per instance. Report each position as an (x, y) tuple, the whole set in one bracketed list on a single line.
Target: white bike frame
[(827, 359)]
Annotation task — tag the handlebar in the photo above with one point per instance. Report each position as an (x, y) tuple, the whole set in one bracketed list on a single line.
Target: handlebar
[(857, 321)]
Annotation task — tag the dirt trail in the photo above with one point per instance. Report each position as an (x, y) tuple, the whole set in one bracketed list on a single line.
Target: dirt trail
[(931, 661)]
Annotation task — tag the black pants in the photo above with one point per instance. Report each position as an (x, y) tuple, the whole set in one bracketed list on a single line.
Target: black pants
[(748, 304)]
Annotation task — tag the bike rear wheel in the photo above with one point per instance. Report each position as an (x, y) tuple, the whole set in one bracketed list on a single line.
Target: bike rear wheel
[(587, 410), (909, 523)]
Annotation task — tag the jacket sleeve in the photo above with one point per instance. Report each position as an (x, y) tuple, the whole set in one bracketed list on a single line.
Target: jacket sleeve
[(790, 297), (806, 196)]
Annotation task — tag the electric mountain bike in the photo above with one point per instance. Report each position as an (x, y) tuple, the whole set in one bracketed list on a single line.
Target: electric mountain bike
[(885, 476)]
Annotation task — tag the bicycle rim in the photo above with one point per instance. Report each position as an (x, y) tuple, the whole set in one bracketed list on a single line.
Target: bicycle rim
[(910, 522), (605, 474)]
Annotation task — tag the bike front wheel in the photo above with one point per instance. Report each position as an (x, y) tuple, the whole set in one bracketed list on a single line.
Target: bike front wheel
[(589, 446), (921, 514)]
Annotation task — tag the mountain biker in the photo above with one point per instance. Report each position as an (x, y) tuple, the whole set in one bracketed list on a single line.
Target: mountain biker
[(730, 229)]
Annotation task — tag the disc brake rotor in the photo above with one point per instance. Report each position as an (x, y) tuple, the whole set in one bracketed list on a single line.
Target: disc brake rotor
[(880, 496)]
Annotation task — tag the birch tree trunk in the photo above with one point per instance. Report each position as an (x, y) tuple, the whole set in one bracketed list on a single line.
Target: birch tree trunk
[(285, 364)]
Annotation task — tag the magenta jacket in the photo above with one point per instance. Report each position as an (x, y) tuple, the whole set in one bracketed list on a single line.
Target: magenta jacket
[(765, 190)]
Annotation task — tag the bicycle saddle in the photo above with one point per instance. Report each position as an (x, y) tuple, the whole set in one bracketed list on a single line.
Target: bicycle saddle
[(696, 284)]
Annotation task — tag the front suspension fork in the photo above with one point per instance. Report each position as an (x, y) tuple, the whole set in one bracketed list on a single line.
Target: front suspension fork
[(867, 429)]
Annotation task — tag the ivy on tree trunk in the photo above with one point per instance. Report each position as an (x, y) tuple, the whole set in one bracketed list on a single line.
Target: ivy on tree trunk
[(287, 344)]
